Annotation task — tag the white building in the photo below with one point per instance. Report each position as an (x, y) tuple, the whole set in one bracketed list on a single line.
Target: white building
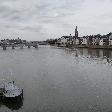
[(110, 39), (101, 42), (96, 41), (104, 40), (84, 41), (63, 40), (93, 41)]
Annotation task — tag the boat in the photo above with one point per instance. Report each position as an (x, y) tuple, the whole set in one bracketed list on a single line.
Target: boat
[(11, 92)]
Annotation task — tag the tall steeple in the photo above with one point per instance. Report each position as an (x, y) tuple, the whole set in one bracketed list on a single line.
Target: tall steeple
[(76, 32)]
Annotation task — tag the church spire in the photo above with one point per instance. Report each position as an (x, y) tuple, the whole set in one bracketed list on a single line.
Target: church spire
[(76, 32)]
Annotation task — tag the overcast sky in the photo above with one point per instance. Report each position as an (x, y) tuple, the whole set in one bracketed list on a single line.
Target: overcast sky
[(42, 19)]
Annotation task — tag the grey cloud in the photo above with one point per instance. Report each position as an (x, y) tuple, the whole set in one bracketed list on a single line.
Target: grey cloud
[(57, 17)]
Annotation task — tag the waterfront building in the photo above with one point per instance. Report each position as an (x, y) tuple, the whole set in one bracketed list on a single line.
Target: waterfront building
[(101, 42), (84, 40), (110, 39), (96, 40), (93, 41), (90, 41), (104, 40), (63, 40), (71, 40)]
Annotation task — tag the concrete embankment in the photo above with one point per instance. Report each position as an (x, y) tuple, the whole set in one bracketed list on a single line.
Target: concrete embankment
[(94, 47), (90, 46)]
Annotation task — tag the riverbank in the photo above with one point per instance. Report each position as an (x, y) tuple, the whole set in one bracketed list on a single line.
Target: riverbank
[(85, 46)]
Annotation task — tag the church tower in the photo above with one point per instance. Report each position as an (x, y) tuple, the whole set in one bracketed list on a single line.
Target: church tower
[(76, 32)]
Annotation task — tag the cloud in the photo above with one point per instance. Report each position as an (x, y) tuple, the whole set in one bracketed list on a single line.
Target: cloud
[(53, 18)]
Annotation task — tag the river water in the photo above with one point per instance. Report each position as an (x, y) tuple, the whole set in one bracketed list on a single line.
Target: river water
[(59, 79)]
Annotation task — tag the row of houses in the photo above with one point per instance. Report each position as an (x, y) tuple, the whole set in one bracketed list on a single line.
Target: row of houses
[(101, 40), (12, 41)]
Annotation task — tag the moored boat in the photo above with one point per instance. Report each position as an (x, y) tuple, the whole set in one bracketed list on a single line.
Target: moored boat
[(11, 92)]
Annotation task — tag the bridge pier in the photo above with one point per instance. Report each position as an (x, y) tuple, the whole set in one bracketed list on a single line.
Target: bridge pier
[(4, 47), (29, 46), (13, 47), (21, 46), (36, 46)]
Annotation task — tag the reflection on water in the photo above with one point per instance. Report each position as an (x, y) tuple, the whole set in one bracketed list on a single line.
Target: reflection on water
[(92, 54), (12, 105), (99, 53)]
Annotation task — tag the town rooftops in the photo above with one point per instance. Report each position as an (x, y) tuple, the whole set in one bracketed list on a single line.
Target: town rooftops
[(66, 37)]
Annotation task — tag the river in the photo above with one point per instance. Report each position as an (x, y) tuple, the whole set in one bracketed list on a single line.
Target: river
[(58, 79)]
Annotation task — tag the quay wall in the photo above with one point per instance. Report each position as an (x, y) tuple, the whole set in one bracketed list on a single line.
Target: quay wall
[(88, 46), (94, 47)]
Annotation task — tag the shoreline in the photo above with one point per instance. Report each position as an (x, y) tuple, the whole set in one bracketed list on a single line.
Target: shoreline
[(89, 47)]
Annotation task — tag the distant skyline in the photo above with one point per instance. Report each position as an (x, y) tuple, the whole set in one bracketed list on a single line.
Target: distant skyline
[(43, 19)]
